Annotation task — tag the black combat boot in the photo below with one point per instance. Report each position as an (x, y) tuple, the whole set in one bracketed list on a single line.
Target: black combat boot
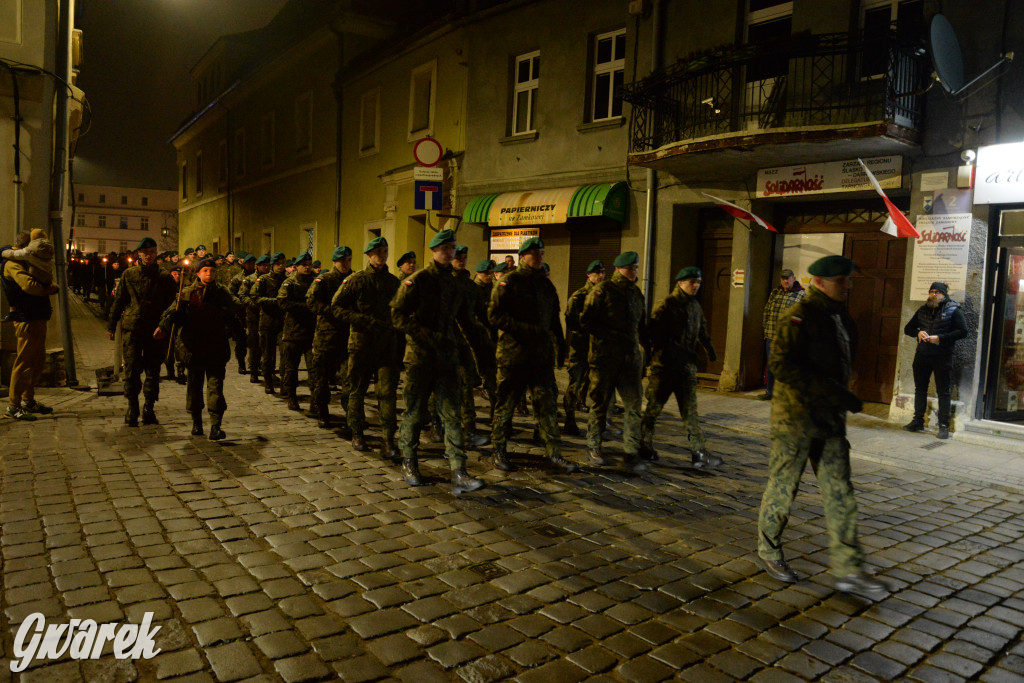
[(359, 441), (463, 483), (411, 471), (197, 424), (566, 466), (241, 368), (323, 417), (632, 461), (596, 456), (148, 415), (570, 427), (131, 418), (268, 385), (254, 377), (388, 449), (701, 459), (216, 433), (293, 400), (648, 454), (475, 439), (500, 460)]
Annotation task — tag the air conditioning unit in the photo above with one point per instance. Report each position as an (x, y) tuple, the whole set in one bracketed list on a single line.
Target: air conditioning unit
[(637, 8)]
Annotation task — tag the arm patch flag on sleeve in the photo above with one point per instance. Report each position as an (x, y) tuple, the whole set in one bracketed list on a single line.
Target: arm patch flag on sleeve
[(896, 224), (737, 212)]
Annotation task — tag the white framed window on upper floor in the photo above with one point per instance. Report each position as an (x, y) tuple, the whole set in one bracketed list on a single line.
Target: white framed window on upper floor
[(267, 140), (222, 163), (609, 68), (199, 174), (240, 153), (369, 123), (422, 95), (101, 222), (144, 223), (184, 181), (80, 221), (525, 85), (766, 21), (304, 123)]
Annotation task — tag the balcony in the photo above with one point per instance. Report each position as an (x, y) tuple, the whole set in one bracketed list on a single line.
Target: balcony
[(720, 116)]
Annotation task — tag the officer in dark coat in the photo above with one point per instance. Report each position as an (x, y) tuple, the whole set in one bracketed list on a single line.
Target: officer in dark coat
[(579, 348), (364, 302), (330, 341), (144, 292), (299, 326), (264, 295), (676, 329), (524, 308), (430, 308), (812, 359)]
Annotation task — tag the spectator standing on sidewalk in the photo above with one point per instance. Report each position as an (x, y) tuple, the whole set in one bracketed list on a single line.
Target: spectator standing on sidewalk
[(782, 297), (812, 360), (28, 286), (937, 326)]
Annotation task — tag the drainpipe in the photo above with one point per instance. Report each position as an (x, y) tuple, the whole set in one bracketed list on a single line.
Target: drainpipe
[(60, 160), (651, 223)]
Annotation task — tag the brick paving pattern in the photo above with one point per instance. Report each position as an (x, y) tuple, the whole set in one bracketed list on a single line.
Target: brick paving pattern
[(281, 554)]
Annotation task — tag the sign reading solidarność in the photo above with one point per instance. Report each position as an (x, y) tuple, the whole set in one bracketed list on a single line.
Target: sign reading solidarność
[(831, 176)]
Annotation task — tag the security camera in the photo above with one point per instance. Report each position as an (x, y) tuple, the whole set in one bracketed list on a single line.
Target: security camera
[(968, 156)]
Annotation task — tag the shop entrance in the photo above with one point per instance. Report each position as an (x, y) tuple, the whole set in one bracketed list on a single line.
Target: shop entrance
[(715, 262), (1004, 386)]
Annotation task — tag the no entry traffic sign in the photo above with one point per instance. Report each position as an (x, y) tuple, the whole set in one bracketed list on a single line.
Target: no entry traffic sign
[(427, 152)]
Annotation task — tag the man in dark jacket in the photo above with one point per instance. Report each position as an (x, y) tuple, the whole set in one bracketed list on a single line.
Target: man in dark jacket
[(937, 326)]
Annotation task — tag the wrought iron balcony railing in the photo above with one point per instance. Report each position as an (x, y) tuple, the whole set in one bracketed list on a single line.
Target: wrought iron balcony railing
[(809, 80)]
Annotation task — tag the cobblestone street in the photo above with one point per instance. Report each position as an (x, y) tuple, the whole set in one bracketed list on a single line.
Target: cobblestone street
[(282, 554)]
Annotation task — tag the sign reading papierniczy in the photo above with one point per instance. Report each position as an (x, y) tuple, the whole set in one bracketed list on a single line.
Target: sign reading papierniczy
[(830, 176), (536, 207)]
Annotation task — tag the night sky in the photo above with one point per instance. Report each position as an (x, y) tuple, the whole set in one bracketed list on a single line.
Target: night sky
[(135, 75)]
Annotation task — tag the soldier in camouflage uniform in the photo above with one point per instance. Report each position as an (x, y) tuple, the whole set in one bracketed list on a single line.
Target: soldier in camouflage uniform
[(330, 342), (363, 302), (579, 347), (246, 266), (677, 327), (430, 308), (812, 359), (143, 293), (478, 366), (615, 315), (264, 295), (252, 316), (484, 282), (299, 326), (524, 308)]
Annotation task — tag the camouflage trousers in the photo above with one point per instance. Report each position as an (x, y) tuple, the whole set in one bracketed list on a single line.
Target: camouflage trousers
[(604, 382), (142, 354), (576, 390), (421, 381), (291, 354), (830, 460), (361, 366), (268, 350), (252, 341), (213, 375), (325, 365), (513, 381), (662, 383)]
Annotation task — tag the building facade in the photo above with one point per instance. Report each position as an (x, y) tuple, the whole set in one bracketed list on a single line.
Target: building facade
[(104, 218)]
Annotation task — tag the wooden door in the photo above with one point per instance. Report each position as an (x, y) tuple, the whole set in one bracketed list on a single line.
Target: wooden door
[(875, 305), (716, 266)]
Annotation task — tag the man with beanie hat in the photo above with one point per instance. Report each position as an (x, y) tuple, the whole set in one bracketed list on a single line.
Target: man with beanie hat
[(937, 326)]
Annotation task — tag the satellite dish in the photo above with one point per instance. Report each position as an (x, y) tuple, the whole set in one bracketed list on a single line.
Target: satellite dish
[(948, 60)]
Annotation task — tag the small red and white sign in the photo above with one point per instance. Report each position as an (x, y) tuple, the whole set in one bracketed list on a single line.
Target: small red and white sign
[(427, 152)]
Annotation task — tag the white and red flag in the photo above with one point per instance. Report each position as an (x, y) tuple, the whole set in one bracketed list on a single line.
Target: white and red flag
[(737, 212), (896, 224)]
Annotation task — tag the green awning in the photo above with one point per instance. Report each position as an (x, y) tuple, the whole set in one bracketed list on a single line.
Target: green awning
[(555, 205)]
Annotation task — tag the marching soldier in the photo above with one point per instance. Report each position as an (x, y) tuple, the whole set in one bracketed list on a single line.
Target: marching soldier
[(524, 308), (812, 360), (579, 347), (677, 327), (143, 293), (264, 295), (406, 264), (246, 267), (299, 325), (252, 316), (478, 367), (330, 341), (363, 301), (615, 316), (429, 308)]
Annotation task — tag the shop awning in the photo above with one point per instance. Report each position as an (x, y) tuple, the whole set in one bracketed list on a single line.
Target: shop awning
[(556, 205)]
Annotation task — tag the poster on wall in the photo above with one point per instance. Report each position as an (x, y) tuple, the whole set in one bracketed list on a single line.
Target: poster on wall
[(940, 254), (800, 251), (829, 176), (506, 241)]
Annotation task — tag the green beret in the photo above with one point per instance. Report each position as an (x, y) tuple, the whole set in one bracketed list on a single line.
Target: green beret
[(532, 243), (206, 263), (304, 256), (249, 258), (201, 246), (228, 253), (190, 250), (241, 253), (407, 256), (340, 253), (689, 273), (461, 249), (626, 259), (263, 260), (278, 256), (485, 266), (289, 263), (500, 267), (442, 237), (596, 266), (832, 266), (316, 264), (374, 243), (146, 243)]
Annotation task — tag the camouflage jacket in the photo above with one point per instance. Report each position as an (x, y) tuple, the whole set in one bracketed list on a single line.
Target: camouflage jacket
[(812, 357), (524, 308), (205, 319), (252, 310), (330, 331), (677, 327), (299, 320), (478, 335), (615, 315), (364, 302), (264, 295), (143, 294), (579, 340), (432, 309)]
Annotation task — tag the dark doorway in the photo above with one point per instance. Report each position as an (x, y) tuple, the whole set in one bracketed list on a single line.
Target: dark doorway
[(716, 264)]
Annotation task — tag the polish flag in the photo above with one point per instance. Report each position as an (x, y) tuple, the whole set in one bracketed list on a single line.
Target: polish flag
[(737, 212), (896, 224)]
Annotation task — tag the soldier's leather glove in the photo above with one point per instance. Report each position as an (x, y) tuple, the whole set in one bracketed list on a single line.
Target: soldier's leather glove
[(712, 356), (851, 402)]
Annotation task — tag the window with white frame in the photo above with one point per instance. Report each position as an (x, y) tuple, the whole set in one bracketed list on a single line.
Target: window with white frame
[(144, 223), (240, 152), (526, 82), (123, 247), (878, 18), (767, 21), (609, 71), (421, 99), (267, 140), (123, 223), (102, 222), (199, 173), (80, 221), (369, 122), (304, 123), (101, 246)]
